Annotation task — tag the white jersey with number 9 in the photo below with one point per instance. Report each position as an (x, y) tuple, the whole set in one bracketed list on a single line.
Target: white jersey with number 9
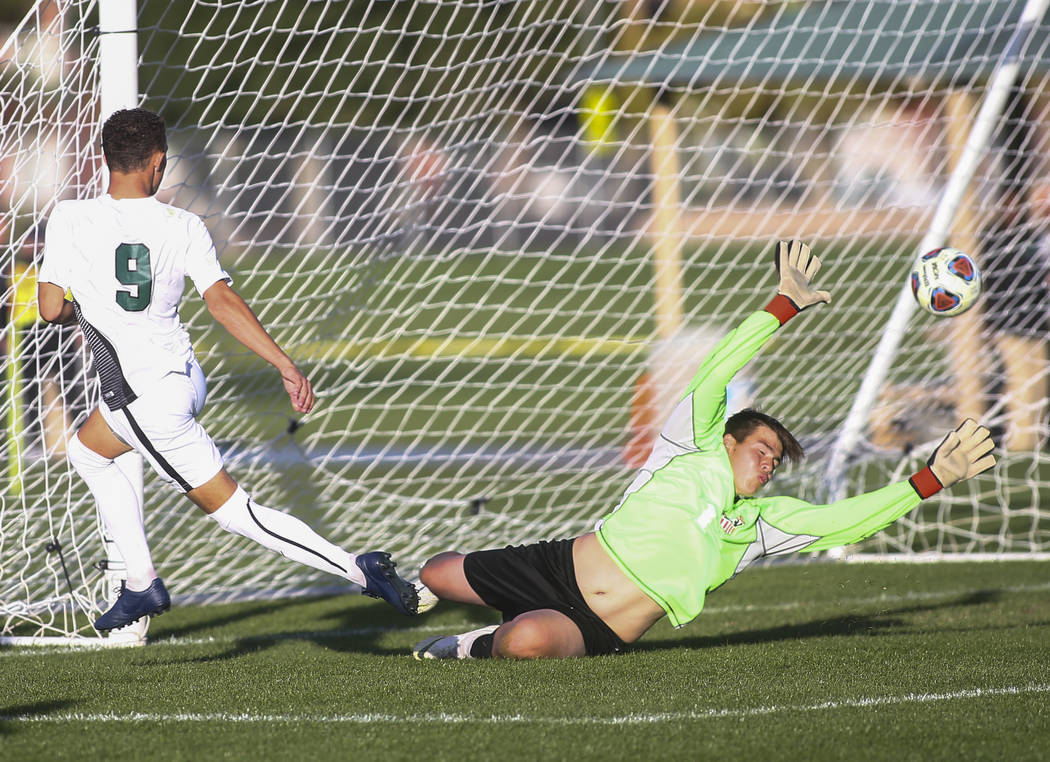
[(126, 262)]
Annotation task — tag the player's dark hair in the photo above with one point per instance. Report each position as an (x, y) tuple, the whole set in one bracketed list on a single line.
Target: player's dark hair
[(741, 425), (130, 137)]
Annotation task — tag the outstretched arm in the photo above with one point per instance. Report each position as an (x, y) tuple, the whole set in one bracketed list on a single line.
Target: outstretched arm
[(964, 453), (797, 268), (231, 311)]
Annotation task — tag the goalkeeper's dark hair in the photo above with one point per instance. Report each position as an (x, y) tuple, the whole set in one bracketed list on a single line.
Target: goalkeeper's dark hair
[(741, 425), (130, 137)]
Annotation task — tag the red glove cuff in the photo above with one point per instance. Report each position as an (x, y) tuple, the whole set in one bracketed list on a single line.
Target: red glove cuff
[(925, 483), (782, 308)]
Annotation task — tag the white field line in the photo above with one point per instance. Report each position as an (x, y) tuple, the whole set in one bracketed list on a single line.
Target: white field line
[(894, 599), (354, 632), (504, 719)]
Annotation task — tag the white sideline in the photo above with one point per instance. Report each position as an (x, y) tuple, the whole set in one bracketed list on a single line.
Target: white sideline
[(503, 719)]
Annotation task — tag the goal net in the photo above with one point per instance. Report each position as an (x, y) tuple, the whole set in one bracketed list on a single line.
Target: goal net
[(500, 235)]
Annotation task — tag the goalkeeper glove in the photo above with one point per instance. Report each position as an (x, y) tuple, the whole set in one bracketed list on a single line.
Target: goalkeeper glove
[(965, 452), (796, 267)]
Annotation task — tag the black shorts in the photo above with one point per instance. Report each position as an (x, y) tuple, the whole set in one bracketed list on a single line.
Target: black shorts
[(520, 578), (1015, 289)]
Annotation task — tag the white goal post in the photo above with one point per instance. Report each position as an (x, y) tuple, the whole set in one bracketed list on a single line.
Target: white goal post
[(497, 235)]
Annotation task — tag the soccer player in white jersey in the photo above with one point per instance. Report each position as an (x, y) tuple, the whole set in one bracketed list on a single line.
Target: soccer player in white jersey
[(125, 257), (691, 519)]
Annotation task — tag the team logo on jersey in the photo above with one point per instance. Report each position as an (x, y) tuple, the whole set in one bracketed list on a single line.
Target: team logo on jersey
[(729, 525)]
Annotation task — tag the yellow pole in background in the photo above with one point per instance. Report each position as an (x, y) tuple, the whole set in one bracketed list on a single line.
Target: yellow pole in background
[(656, 386), (23, 314), (665, 228)]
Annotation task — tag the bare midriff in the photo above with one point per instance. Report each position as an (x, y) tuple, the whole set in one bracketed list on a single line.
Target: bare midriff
[(610, 593)]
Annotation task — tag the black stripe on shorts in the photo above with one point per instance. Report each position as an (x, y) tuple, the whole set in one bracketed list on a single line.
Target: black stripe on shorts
[(144, 440)]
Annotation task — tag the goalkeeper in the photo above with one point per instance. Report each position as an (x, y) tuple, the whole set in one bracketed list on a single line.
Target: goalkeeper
[(689, 521)]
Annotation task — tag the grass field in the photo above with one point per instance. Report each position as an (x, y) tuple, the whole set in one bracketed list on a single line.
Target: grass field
[(819, 661)]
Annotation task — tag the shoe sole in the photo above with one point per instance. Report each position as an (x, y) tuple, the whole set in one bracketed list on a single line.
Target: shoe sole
[(149, 614), (401, 594)]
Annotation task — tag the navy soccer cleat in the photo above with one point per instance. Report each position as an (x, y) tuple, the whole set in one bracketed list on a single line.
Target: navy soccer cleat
[(384, 582), (132, 606)]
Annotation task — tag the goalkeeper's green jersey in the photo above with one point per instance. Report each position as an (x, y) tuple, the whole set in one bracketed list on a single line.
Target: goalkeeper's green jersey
[(680, 529)]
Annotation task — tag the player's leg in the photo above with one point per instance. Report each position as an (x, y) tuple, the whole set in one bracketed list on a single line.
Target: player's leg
[(539, 634), (444, 576), (170, 437), (543, 634), (1025, 361), (91, 452), (531, 585), (235, 511), (162, 427)]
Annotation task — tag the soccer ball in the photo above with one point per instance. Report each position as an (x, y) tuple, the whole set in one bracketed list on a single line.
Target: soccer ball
[(946, 282)]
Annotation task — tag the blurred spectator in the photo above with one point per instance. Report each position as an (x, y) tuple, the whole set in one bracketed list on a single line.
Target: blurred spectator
[(1013, 253), (890, 157)]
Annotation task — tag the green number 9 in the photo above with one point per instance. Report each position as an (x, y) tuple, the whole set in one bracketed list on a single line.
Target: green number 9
[(136, 275)]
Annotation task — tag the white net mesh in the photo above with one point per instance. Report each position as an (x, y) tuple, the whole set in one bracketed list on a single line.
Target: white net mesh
[(481, 226)]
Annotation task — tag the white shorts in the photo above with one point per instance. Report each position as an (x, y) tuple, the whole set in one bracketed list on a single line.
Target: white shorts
[(162, 426)]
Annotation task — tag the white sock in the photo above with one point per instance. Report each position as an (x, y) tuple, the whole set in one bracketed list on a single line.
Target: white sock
[(286, 535), (121, 510)]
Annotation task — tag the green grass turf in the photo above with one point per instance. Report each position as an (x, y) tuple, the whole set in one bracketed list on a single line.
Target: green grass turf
[(946, 661)]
